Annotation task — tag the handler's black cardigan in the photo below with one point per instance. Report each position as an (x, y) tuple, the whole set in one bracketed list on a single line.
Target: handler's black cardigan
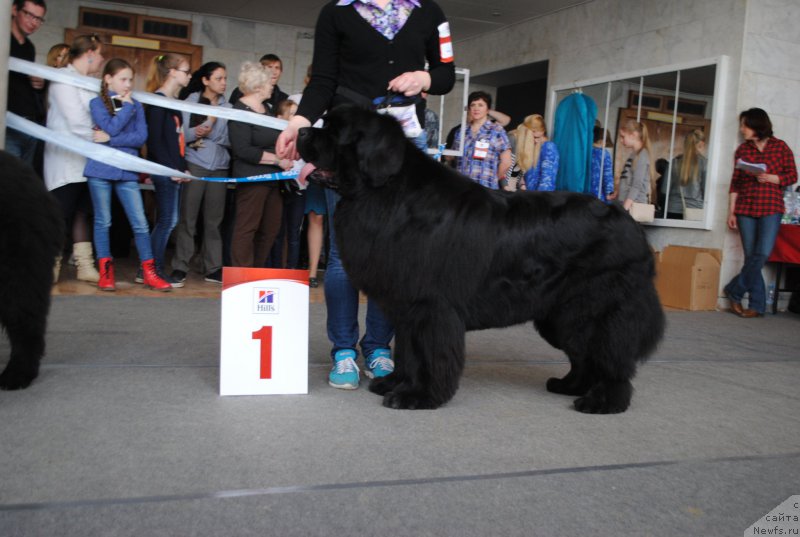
[(163, 144), (348, 52)]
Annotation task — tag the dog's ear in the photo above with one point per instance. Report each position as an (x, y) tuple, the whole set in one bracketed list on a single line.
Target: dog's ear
[(381, 150)]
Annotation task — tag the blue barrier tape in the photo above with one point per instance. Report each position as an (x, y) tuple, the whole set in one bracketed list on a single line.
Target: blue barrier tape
[(280, 176)]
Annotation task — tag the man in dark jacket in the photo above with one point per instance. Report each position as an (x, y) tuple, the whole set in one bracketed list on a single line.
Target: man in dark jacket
[(24, 92), (275, 66)]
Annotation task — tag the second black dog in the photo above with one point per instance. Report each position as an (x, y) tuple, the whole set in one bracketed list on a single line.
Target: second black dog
[(31, 235)]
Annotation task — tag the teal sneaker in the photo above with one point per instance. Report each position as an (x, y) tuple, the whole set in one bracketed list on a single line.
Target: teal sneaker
[(379, 363), (344, 374)]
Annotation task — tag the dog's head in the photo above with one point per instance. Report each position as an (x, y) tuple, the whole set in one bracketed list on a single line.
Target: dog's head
[(355, 149)]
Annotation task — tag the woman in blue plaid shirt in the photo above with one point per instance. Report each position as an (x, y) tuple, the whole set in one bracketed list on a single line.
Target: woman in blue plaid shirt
[(487, 151)]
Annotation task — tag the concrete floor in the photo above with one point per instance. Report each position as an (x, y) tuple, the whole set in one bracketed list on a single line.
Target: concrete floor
[(124, 434)]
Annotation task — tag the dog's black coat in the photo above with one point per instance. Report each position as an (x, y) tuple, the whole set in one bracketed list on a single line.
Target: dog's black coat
[(31, 235), (441, 255)]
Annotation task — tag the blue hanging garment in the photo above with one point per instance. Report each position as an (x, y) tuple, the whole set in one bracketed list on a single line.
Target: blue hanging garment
[(574, 131)]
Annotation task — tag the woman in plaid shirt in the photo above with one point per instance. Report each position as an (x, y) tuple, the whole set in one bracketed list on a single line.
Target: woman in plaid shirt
[(487, 152), (756, 206)]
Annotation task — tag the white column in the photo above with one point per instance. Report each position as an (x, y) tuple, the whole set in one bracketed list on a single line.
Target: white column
[(5, 45)]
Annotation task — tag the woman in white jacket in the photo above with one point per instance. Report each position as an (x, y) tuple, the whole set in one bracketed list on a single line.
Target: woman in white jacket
[(68, 112)]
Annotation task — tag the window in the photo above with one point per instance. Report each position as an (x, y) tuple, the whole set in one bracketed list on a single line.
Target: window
[(677, 104)]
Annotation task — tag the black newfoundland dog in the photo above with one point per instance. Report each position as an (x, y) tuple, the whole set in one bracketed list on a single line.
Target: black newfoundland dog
[(442, 255), (31, 235)]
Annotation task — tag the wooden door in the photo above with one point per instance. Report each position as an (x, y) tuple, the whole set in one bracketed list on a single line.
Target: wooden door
[(141, 58)]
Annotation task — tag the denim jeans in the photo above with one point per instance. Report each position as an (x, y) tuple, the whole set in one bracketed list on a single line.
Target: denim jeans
[(21, 145), (758, 238), (131, 199), (167, 211), (341, 298)]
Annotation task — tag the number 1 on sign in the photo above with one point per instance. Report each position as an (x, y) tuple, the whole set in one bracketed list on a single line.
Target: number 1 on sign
[(265, 336)]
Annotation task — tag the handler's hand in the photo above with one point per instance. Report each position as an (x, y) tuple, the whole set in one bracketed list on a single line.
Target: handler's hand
[(732, 222), (411, 83), (628, 204), (286, 146)]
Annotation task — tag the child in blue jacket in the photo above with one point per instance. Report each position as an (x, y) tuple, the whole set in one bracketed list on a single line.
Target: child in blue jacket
[(122, 119)]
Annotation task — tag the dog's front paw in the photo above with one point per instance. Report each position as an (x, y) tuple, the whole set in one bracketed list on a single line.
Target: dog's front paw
[(16, 379), (408, 400)]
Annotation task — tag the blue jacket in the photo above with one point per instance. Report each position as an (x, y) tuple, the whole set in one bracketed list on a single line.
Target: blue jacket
[(128, 131), (542, 177)]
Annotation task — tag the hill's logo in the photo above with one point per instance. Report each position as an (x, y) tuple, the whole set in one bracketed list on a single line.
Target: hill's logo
[(265, 300)]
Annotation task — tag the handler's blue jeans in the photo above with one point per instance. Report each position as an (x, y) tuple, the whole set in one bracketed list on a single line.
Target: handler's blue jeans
[(758, 238), (167, 211), (131, 199), (341, 298)]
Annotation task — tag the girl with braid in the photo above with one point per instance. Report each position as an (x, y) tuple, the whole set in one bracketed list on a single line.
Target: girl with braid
[(122, 118)]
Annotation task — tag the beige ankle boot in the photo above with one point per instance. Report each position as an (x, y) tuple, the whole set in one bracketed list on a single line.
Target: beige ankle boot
[(84, 259), (56, 269)]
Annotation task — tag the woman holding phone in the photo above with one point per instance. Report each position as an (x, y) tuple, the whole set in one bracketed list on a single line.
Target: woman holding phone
[(122, 118)]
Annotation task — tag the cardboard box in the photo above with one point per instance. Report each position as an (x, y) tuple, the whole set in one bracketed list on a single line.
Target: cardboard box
[(688, 278)]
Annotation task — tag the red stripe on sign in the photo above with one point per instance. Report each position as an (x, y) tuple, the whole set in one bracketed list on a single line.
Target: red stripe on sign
[(265, 336), (233, 276)]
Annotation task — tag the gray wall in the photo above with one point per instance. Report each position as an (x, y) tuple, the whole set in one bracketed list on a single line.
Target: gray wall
[(231, 41), (605, 37)]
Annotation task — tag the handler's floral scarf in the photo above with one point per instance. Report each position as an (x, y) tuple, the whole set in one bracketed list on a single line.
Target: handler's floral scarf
[(388, 22)]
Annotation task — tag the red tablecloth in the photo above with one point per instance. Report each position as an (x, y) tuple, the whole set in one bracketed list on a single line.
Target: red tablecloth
[(787, 245)]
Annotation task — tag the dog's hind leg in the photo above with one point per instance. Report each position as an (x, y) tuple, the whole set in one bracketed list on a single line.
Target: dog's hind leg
[(625, 338), (610, 390), (579, 379), (429, 359)]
